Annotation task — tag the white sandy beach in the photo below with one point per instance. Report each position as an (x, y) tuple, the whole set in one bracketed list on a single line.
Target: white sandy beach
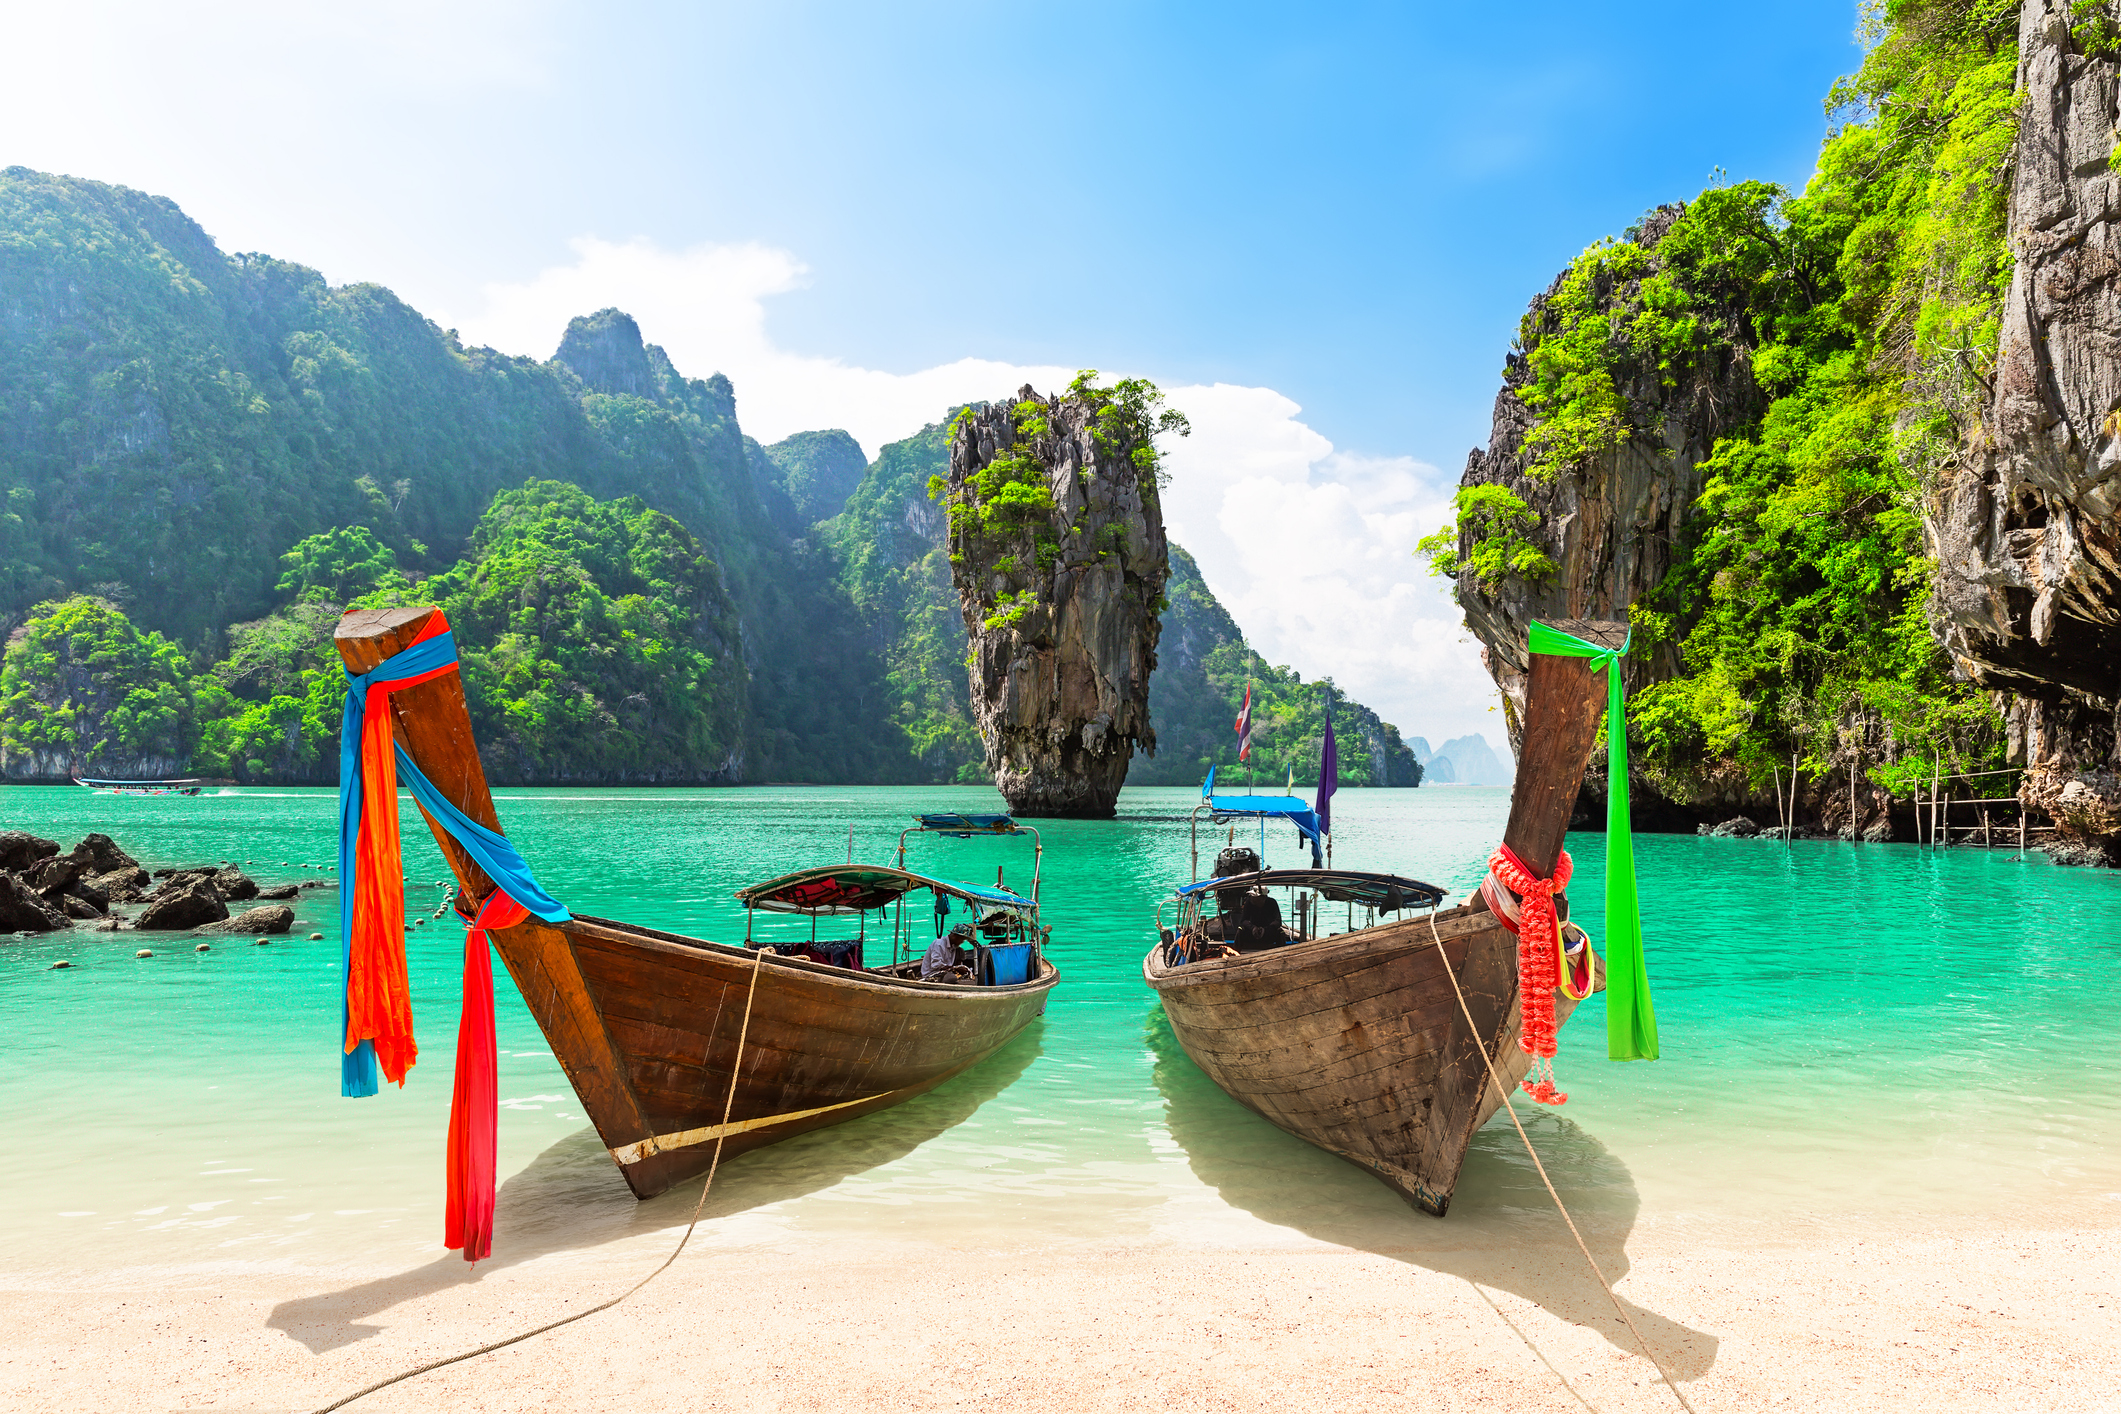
[(1973, 1320)]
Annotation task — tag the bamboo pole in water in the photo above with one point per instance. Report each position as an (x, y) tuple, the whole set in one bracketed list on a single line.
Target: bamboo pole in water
[(1793, 793), (1778, 798)]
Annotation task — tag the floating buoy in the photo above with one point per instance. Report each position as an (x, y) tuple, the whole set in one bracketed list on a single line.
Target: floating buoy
[(263, 941), (419, 923), (144, 952), (62, 962), (204, 947), (316, 937)]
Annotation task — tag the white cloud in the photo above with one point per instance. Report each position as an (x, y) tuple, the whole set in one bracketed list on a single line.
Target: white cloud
[(1312, 552), (707, 307), (1310, 548)]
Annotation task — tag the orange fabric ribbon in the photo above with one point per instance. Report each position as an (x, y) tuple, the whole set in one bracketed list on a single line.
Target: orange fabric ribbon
[(1538, 963)]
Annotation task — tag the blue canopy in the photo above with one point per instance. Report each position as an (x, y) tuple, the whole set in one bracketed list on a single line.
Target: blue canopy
[(1291, 808), (856, 888)]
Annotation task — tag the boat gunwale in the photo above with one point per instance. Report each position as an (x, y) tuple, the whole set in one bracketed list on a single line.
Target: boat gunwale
[(655, 940), (1339, 947)]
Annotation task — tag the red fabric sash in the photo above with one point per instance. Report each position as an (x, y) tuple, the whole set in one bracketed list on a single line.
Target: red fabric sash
[(474, 1107)]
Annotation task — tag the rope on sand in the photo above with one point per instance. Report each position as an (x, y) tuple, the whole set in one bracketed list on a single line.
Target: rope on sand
[(728, 1107), (1504, 1091)]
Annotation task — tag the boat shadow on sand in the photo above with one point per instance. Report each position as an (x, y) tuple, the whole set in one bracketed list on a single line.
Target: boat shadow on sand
[(571, 1197), (1502, 1233)]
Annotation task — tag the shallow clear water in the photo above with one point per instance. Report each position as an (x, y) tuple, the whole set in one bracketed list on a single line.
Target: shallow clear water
[(1847, 1030)]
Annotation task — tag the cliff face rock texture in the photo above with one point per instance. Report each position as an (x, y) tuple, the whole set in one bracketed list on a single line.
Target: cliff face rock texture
[(1608, 522), (2027, 525), (1059, 559)]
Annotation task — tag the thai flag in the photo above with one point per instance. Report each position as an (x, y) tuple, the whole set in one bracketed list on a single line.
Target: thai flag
[(1244, 727)]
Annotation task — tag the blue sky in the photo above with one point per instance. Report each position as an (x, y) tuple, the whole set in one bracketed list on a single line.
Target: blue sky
[(1320, 223)]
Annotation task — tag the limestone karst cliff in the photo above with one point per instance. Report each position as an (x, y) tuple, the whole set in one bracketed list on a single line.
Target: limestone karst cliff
[(2027, 521), (1742, 424), (1606, 524), (1059, 559)]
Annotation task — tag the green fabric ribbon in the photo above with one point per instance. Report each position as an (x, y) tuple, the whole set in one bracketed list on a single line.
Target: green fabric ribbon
[(1630, 1018)]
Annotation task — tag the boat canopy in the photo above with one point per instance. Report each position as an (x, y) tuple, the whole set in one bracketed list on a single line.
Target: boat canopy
[(1292, 809), (857, 888), (964, 827), (1383, 891)]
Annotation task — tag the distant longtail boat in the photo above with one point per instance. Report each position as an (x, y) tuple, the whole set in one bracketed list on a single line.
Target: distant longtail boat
[(188, 786)]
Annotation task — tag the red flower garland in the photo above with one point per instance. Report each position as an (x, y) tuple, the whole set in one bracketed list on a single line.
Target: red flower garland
[(1538, 963)]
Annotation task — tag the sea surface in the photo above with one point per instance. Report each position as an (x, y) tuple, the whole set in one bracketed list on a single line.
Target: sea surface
[(1874, 1033)]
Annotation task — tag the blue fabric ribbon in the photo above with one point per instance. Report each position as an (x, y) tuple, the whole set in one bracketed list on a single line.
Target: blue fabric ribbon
[(358, 1072)]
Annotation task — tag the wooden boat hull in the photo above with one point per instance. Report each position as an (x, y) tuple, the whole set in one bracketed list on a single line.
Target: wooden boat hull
[(646, 1026), (1357, 1043)]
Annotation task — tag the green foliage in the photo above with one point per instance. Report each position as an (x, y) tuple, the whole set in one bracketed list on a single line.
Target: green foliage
[(1009, 609), (338, 565), (595, 639), (1130, 417), (1492, 519), (84, 688)]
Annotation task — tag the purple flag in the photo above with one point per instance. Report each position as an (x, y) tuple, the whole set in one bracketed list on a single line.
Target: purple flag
[(1328, 773)]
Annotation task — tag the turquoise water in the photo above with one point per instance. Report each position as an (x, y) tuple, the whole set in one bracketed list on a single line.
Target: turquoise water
[(1872, 1031)]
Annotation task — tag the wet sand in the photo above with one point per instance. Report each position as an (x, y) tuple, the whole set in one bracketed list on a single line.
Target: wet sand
[(1969, 1320)]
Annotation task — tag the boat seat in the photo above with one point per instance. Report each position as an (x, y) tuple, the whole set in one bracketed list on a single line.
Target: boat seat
[(1005, 965), (846, 952)]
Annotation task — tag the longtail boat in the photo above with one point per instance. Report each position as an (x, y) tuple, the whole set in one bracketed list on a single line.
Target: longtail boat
[(646, 1023), (187, 786), (1355, 1039)]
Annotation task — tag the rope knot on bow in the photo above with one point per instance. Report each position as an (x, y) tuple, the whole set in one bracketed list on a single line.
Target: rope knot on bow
[(1538, 962)]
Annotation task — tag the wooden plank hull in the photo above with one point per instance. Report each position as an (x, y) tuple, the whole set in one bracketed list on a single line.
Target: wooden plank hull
[(1357, 1043), (646, 1026)]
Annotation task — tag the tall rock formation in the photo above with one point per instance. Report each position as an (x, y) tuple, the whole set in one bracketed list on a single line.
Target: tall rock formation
[(1609, 522), (2026, 524), (1058, 555)]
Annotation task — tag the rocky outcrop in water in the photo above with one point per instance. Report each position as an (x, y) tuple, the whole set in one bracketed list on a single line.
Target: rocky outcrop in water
[(185, 903), (1058, 555), (267, 918), (2027, 523)]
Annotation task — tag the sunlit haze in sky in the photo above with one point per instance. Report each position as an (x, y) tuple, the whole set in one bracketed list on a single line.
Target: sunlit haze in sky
[(1314, 226)]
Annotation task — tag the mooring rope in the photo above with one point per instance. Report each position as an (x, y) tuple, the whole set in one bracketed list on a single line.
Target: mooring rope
[(1503, 1090), (758, 960)]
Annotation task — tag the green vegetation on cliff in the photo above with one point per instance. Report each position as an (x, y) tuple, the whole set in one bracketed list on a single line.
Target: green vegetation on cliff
[(81, 684)]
